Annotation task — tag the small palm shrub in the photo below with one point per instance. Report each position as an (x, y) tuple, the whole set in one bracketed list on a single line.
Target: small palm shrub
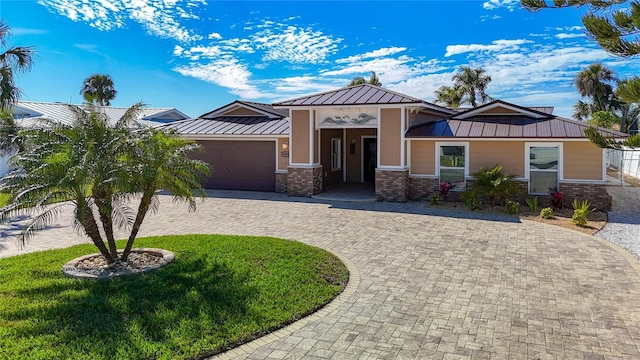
[(493, 183), (581, 211), (434, 199), (532, 203), (471, 200), (512, 207), (546, 213)]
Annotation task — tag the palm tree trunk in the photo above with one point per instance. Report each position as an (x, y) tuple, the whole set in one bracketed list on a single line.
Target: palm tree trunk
[(107, 224), (85, 217), (147, 195)]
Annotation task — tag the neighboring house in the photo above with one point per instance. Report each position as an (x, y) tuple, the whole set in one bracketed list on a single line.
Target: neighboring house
[(406, 146), (245, 143), (27, 114)]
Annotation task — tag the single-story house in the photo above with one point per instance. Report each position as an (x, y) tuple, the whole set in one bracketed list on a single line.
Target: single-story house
[(405, 145), (27, 114)]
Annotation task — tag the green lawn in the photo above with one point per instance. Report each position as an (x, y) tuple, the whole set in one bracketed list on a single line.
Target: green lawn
[(4, 198), (219, 292)]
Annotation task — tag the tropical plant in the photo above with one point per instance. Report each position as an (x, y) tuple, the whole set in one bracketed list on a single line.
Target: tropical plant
[(557, 198), (632, 141), (98, 89), (493, 183), (581, 211), (434, 199), (10, 142), (472, 84), (546, 213), (512, 207), (359, 80), (449, 96), (13, 60), (445, 187), (605, 119), (94, 166), (596, 82), (532, 203), (613, 24), (470, 198)]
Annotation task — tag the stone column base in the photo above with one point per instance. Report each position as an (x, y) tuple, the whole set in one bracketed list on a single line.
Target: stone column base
[(281, 182), (392, 185), (304, 181)]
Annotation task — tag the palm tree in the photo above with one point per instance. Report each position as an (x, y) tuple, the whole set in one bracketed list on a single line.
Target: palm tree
[(98, 89), (596, 82), (448, 96), (95, 166), (12, 61), (582, 110), (10, 142), (359, 80), (472, 84), (162, 162)]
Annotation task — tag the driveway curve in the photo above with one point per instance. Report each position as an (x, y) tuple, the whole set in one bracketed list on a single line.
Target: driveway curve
[(435, 284)]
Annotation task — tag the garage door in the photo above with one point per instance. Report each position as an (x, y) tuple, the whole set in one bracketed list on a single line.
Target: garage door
[(240, 165)]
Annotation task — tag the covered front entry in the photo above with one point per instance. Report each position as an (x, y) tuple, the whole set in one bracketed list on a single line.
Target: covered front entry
[(348, 156), (240, 165)]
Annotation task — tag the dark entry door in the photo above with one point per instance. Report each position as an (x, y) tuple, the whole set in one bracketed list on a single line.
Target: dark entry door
[(369, 159)]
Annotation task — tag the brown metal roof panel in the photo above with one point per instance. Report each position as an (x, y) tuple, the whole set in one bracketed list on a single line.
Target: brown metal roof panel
[(515, 130), (502, 130), (386, 97), (323, 99), (574, 130), (476, 129), (346, 95), (453, 125), (376, 96), (201, 126), (543, 129), (489, 130), (530, 130), (463, 129), (353, 98), (334, 96), (366, 95), (557, 128)]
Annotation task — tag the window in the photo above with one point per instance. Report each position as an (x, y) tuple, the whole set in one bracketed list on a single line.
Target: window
[(336, 154), (452, 160), (543, 168)]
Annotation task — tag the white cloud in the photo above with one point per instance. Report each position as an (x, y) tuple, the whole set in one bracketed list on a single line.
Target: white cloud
[(214, 35), (496, 45), (158, 17), (372, 54), (495, 4), (226, 72), (295, 45), (568, 36)]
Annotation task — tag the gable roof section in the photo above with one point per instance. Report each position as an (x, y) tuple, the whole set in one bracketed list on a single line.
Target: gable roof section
[(27, 112), (232, 125), (494, 109), (364, 94), (260, 108)]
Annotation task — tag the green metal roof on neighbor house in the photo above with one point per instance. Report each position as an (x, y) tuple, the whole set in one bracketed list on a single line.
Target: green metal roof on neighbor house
[(500, 119), (364, 94)]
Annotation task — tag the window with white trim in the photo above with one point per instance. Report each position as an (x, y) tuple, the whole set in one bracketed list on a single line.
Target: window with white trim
[(544, 162), (336, 154), (453, 164)]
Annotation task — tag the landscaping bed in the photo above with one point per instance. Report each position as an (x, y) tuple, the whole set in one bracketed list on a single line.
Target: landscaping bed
[(219, 292)]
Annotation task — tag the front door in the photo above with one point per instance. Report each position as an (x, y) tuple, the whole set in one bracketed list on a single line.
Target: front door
[(369, 159)]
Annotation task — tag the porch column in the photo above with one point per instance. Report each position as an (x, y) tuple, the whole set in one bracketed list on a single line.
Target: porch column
[(392, 174), (304, 176)]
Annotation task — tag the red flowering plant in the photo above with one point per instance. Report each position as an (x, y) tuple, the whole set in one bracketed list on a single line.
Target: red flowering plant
[(445, 187), (556, 198)]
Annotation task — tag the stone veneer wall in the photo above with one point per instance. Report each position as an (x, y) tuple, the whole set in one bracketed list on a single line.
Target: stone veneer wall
[(392, 185), (595, 193), (281, 182), (421, 188), (304, 181)]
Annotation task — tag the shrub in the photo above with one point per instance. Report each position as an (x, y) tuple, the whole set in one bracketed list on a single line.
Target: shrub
[(493, 183), (581, 211), (434, 199), (532, 203), (445, 187), (512, 207), (557, 198), (632, 141), (470, 199), (546, 213)]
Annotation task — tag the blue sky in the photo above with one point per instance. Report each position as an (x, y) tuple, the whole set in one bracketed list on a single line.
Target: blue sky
[(197, 55)]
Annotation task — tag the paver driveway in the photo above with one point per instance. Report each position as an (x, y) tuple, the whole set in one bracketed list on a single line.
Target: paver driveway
[(432, 287)]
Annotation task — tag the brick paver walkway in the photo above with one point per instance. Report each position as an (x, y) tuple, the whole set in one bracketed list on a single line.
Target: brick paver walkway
[(435, 286)]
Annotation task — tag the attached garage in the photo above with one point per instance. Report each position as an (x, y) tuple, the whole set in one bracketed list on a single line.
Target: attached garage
[(240, 165), (245, 143)]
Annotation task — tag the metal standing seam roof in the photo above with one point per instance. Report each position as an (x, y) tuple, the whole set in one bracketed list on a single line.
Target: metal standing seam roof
[(506, 126), (29, 112), (267, 108), (232, 125), (364, 94)]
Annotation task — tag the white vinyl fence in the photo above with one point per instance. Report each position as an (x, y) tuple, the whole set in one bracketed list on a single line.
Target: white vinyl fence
[(626, 161)]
